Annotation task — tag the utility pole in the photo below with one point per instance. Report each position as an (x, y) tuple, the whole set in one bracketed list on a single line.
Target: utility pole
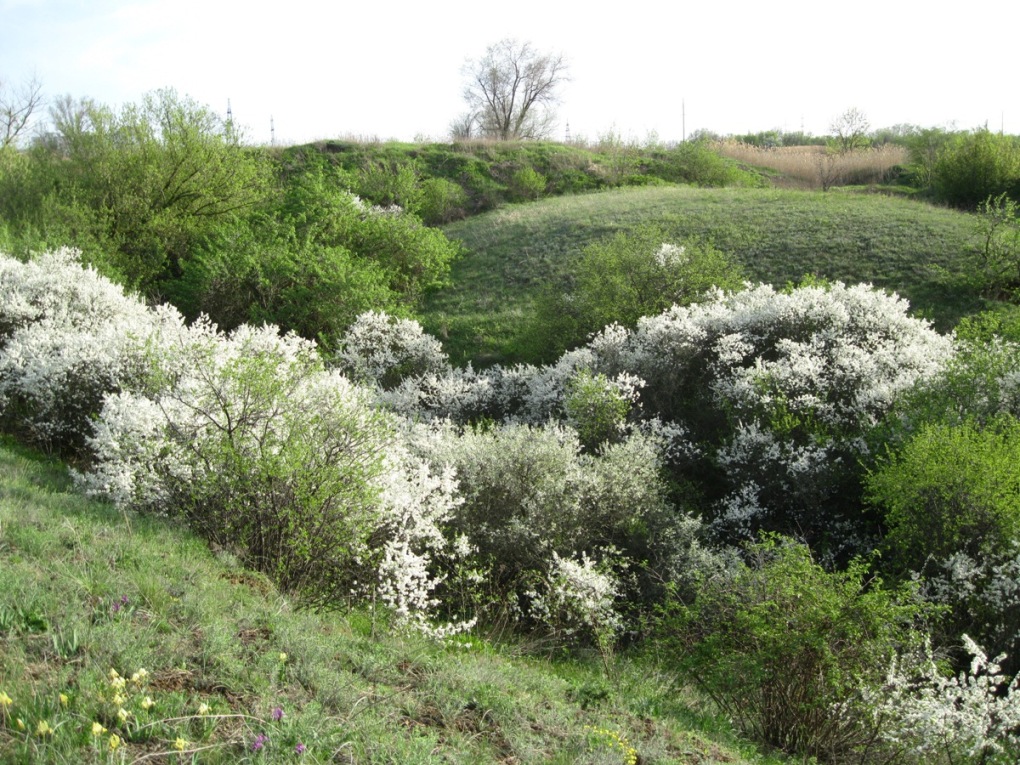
[(567, 138), (272, 131)]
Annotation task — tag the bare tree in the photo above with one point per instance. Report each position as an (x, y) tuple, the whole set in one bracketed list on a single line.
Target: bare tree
[(512, 89), (850, 130), (16, 109)]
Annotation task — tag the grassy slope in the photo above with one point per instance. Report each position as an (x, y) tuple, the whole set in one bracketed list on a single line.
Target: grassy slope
[(778, 235), (86, 589)]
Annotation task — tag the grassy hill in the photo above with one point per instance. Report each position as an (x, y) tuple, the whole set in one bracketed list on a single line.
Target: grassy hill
[(102, 612), (779, 236)]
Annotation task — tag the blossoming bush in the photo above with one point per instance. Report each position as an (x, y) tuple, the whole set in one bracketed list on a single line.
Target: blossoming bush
[(577, 600), (532, 497), (934, 717), (777, 391), (65, 336), (260, 448), (383, 350)]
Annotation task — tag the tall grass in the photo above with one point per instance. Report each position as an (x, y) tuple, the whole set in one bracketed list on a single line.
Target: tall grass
[(816, 167)]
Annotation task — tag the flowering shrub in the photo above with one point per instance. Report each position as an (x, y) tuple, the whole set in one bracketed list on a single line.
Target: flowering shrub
[(531, 497), (65, 336), (258, 448), (416, 506), (973, 716), (383, 350), (577, 600), (266, 452), (777, 390)]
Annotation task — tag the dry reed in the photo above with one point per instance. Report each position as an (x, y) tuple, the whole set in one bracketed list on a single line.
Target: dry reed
[(817, 166)]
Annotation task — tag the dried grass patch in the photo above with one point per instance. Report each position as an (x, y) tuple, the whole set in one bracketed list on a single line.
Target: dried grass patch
[(818, 168)]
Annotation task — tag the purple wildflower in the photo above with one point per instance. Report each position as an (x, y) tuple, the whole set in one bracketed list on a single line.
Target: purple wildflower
[(300, 749), (260, 740), (278, 714)]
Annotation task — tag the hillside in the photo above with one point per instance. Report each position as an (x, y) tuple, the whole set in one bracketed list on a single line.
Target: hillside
[(232, 673), (779, 236)]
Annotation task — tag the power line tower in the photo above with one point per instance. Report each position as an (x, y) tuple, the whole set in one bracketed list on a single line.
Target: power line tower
[(272, 131), (567, 137)]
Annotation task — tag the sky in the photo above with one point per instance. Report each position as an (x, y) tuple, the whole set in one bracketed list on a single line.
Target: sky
[(638, 70)]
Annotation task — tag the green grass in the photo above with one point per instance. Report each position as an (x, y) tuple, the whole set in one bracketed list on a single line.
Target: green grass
[(778, 236), (87, 590)]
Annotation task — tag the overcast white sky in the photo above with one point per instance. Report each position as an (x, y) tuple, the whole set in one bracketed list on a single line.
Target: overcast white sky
[(393, 69)]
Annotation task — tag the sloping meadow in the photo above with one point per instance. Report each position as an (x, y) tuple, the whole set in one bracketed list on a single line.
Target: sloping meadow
[(582, 499)]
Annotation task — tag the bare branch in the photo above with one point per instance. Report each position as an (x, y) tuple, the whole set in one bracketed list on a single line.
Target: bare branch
[(16, 109)]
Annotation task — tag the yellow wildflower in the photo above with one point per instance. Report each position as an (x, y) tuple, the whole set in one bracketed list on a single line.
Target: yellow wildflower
[(148, 703), (20, 723), (123, 714), (203, 709), (283, 658), (180, 744), (98, 729), (118, 699), (139, 677), (114, 742), (63, 699), (5, 700), (43, 729)]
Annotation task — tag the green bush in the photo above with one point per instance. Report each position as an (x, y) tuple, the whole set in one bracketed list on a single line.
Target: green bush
[(952, 488), (442, 201), (783, 647), (596, 408), (139, 190), (390, 184), (972, 167), (625, 277), (314, 260), (526, 184), (996, 264), (951, 501), (695, 163)]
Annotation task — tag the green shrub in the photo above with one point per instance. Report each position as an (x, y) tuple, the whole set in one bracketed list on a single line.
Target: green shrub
[(782, 646), (972, 167), (314, 260), (441, 201), (997, 261), (388, 184), (697, 164), (625, 277), (952, 488), (951, 501), (526, 184), (596, 408), (142, 189)]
